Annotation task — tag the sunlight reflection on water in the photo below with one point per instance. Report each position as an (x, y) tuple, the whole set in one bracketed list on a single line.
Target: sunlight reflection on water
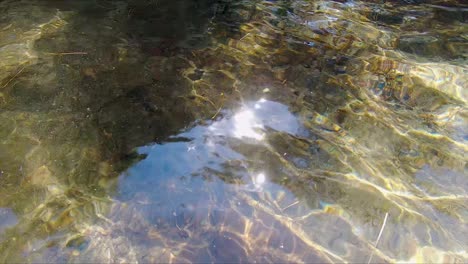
[(253, 117)]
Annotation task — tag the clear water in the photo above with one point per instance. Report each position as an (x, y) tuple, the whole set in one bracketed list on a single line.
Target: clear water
[(233, 131)]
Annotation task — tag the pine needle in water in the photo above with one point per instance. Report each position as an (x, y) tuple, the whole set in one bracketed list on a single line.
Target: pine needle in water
[(66, 53), (378, 237), (12, 78)]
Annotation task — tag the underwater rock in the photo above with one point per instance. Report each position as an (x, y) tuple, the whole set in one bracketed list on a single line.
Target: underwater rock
[(17, 39), (424, 45), (41, 177)]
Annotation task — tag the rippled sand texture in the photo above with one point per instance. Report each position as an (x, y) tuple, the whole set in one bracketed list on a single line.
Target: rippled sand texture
[(246, 131)]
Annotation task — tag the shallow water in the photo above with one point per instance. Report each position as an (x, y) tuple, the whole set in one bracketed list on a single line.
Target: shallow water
[(233, 131)]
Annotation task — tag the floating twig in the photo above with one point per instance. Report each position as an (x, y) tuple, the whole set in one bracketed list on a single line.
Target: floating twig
[(244, 36), (67, 53), (378, 237), (217, 112), (291, 205), (206, 99), (7, 27), (12, 78)]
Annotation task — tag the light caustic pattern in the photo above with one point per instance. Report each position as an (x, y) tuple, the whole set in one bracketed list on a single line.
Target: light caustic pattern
[(260, 131)]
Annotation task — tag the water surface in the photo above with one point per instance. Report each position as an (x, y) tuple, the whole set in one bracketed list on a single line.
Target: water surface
[(233, 131)]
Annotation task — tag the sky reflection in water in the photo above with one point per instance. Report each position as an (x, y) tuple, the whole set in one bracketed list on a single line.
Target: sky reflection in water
[(193, 177), (7, 219), (208, 147)]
